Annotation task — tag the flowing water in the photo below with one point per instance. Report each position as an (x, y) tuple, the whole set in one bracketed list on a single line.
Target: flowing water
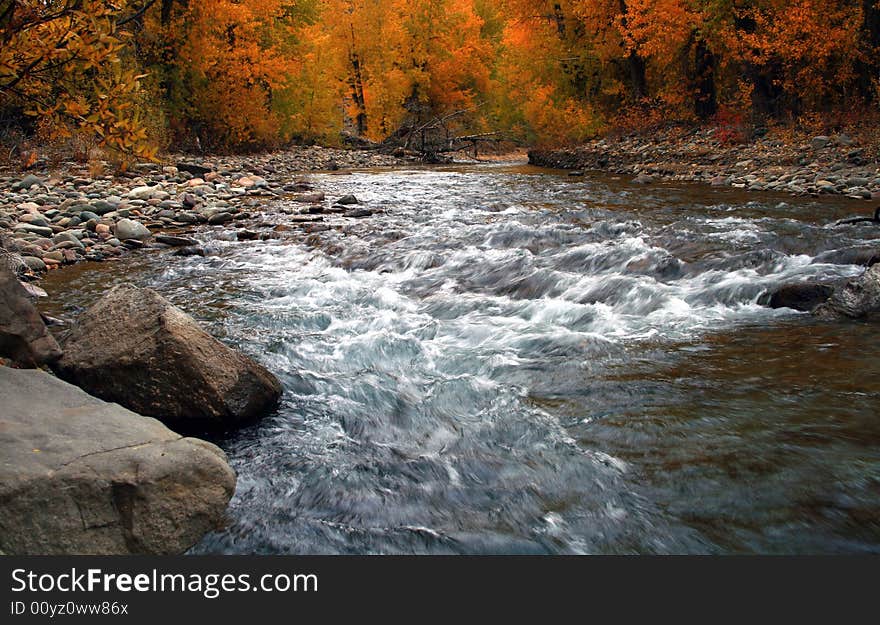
[(511, 360)]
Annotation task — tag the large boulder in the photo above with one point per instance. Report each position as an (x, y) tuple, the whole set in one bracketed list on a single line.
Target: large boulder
[(23, 336), (82, 476), (857, 298), (136, 349)]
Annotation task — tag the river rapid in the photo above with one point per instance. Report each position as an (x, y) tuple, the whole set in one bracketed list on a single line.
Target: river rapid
[(506, 359)]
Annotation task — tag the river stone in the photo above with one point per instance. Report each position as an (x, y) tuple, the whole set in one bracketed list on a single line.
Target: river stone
[(219, 218), (189, 251), (308, 198), (857, 298), (67, 237), (43, 231), (194, 168), (34, 263), (84, 477), (358, 212), (27, 182), (128, 229), (23, 335), (190, 200), (803, 296), (160, 363), (346, 200), (141, 193), (174, 241)]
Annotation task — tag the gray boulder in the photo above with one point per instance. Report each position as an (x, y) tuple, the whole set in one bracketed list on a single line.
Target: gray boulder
[(23, 336), (81, 476), (127, 229), (136, 349), (857, 298)]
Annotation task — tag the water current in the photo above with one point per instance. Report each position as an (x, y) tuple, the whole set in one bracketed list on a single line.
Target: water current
[(505, 359)]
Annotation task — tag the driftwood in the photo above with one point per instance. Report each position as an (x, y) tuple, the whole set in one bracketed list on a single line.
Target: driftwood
[(857, 220), (437, 136), (427, 139)]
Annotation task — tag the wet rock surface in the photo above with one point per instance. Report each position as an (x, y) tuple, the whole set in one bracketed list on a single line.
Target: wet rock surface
[(24, 338), (798, 296), (161, 363), (856, 299), (82, 476)]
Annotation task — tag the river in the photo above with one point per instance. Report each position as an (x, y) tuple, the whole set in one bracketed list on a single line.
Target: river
[(513, 360)]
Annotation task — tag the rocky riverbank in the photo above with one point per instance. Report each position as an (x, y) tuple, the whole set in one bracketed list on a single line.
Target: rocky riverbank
[(53, 216), (95, 477), (83, 476), (811, 165)]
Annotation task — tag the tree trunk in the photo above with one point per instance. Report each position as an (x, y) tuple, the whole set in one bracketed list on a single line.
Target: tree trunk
[(705, 101), (635, 63), (868, 67), (357, 94)]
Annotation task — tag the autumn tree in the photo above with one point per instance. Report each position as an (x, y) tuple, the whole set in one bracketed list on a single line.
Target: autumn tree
[(220, 62), (65, 62)]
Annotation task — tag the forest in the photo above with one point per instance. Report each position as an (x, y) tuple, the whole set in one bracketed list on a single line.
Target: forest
[(135, 77)]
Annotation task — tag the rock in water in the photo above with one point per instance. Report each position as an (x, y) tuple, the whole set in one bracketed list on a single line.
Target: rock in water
[(850, 256), (81, 476), (23, 335), (358, 213), (857, 298), (126, 229), (174, 241), (347, 200), (136, 349), (308, 198), (803, 296)]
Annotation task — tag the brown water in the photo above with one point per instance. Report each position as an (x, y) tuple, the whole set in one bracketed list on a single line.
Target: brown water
[(510, 360)]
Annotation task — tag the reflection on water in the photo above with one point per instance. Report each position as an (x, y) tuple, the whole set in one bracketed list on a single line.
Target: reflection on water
[(506, 360)]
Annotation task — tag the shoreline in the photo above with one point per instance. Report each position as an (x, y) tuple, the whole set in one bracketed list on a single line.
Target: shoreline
[(52, 217), (836, 165)]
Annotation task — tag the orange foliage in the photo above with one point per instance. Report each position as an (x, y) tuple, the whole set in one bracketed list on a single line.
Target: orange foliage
[(62, 62), (255, 73), (228, 57)]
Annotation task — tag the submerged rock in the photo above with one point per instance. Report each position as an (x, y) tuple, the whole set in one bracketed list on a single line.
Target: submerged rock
[(23, 335), (850, 256), (358, 213), (82, 476), (134, 348), (857, 298)]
